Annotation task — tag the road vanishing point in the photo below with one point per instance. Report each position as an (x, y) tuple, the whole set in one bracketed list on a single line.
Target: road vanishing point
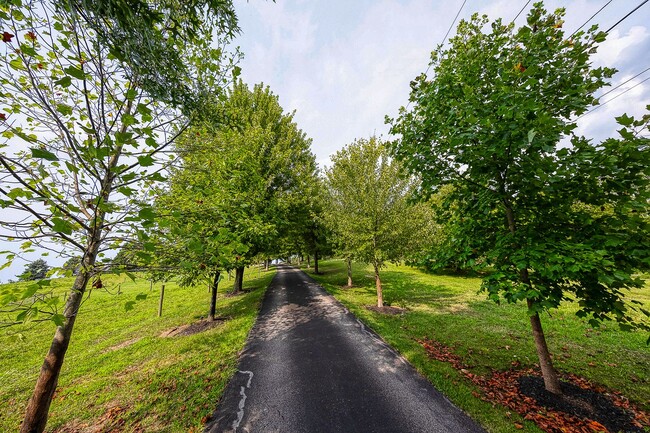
[(310, 366)]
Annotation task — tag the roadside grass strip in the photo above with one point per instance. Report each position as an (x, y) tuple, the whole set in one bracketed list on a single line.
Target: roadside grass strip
[(488, 338), (131, 371)]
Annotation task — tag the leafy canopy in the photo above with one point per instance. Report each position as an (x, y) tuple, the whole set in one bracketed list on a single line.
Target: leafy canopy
[(554, 221)]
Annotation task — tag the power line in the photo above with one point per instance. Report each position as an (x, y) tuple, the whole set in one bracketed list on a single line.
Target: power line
[(591, 18), (448, 30), (444, 39), (624, 83), (454, 22), (630, 13), (522, 9), (611, 99)]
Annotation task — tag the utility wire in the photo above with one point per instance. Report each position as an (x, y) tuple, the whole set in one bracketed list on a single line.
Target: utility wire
[(522, 9), (448, 30), (454, 22), (591, 18), (624, 83), (630, 13), (444, 39), (611, 99)]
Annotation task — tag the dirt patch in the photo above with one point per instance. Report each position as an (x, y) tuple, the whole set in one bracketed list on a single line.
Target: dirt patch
[(585, 407), (192, 328), (123, 344), (386, 310)]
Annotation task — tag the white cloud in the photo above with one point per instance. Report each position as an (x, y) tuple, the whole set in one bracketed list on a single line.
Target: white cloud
[(617, 47)]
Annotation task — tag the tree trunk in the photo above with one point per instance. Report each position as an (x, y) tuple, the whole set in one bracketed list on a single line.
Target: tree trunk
[(316, 262), (213, 295), (380, 293), (308, 262), (551, 379), (267, 264), (239, 280), (39, 403), (348, 262)]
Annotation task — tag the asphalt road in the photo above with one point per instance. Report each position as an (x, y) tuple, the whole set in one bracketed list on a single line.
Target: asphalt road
[(310, 366)]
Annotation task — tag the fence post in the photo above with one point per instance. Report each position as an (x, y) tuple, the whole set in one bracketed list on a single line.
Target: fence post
[(160, 303)]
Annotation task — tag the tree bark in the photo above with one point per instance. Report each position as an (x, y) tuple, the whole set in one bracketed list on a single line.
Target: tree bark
[(551, 379), (39, 404), (213, 296), (267, 263), (380, 293), (239, 280), (308, 262), (348, 262), (316, 262)]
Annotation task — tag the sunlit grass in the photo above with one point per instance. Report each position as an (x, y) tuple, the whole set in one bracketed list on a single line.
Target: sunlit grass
[(489, 336), (119, 372)]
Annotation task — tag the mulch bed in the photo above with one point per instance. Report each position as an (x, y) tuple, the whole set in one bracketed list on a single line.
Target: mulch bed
[(584, 408), (386, 309)]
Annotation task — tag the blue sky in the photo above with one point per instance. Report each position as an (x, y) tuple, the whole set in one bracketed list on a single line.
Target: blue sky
[(344, 65)]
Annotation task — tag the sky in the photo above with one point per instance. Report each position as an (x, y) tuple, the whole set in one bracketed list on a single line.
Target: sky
[(343, 65)]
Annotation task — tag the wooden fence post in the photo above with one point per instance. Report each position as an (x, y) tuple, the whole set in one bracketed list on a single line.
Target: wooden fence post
[(160, 303)]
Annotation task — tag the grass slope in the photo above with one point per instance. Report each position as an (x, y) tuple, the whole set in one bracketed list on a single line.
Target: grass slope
[(488, 336), (119, 374)]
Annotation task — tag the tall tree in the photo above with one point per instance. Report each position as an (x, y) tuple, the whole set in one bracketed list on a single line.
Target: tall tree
[(368, 206), (555, 223), (36, 270), (82, 138), (240, 180)]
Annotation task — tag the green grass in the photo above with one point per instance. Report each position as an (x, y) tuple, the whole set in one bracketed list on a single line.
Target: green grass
[(489, 336), (119, 372)]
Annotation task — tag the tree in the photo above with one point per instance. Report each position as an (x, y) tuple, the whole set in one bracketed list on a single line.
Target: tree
[(36, 270), (368, 206), (254, 172), (235, 190), (80, 151), (72, 266), (554, 223)]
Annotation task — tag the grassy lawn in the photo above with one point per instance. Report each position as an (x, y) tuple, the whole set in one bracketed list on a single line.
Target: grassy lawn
[(119, 373), (489, 336)]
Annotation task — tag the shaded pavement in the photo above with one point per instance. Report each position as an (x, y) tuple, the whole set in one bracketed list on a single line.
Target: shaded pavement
[(310, 366)]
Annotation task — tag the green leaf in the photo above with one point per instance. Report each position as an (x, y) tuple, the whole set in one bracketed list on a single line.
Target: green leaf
[(128, 120), (131, 276), (75, 72), (60, 225), (17, 64), (64, 109), (29, 291), (531, 135), (625, 120), (43, 154), (64, 82), (146, 213), (146, 160), (58, 319)]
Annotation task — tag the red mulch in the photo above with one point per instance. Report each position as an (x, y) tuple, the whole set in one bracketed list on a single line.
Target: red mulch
[(512, 389)]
